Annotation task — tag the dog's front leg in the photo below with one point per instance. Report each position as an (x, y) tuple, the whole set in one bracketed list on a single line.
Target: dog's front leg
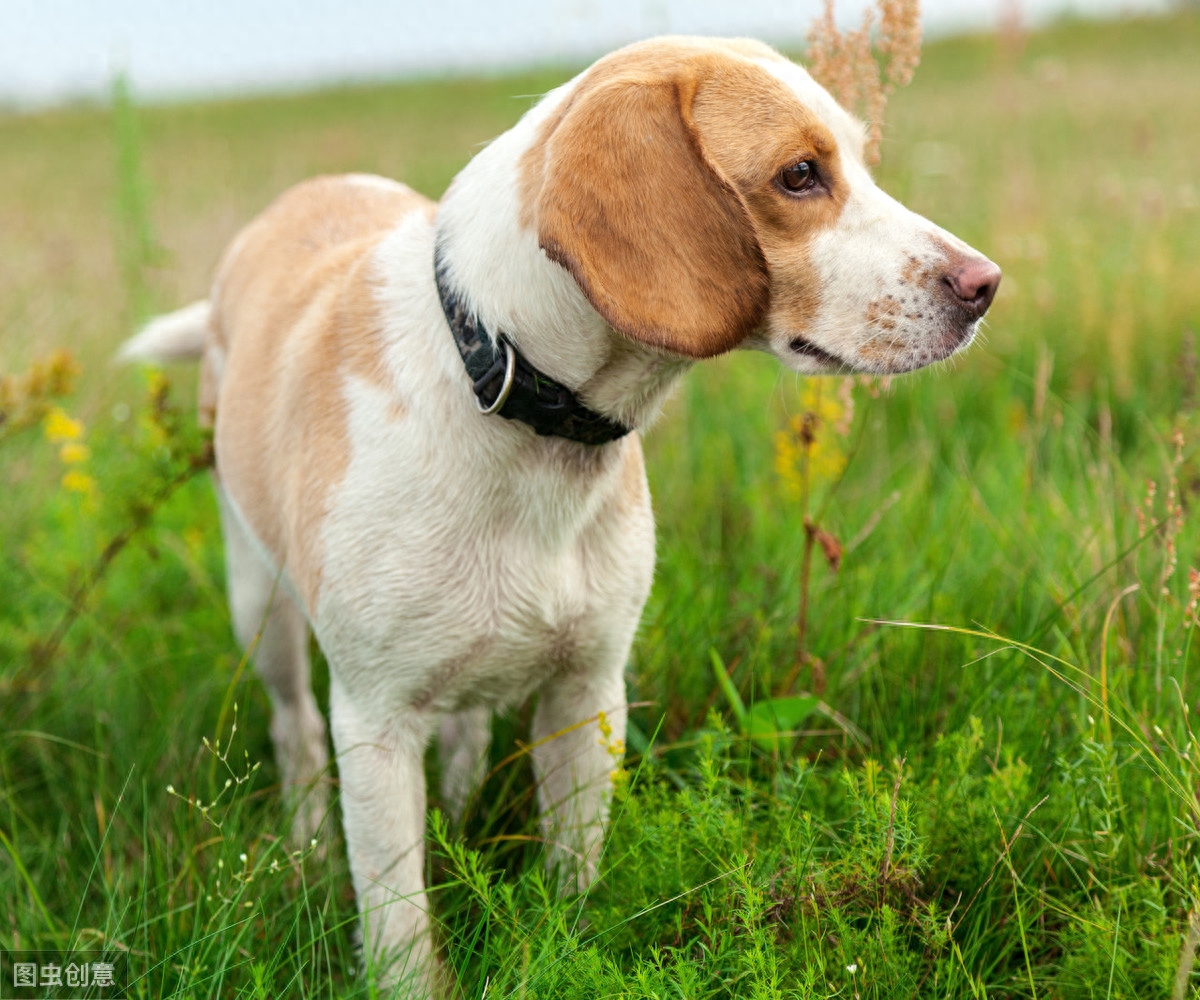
[(383, 811), (574, 760)]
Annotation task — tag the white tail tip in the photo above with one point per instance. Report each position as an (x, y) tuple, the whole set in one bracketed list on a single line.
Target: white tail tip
[(177, 336)]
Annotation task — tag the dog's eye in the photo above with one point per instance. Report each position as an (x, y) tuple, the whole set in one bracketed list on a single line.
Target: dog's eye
[(799, 176)]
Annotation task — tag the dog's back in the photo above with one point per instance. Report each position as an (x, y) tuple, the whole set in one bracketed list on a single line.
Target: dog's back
[(293, 311)]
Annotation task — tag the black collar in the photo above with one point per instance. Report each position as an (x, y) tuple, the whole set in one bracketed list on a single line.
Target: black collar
[(508, 385)]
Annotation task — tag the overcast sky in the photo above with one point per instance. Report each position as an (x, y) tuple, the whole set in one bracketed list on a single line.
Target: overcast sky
[(50, 49)]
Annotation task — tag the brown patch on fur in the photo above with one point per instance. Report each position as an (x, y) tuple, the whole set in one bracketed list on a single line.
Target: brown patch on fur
[(924, 272), (877, 350), (668, 55), (655, 185), (294, 308), (945, 248), (918, 273), (442, 694), (561, 654), (631, 493), (210, 387), (883, 312)]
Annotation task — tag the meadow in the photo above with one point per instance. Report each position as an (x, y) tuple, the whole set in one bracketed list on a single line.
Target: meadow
[(970, 771)]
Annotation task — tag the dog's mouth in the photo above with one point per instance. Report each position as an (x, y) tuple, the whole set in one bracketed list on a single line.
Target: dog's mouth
[(911, 354), (807, 349)]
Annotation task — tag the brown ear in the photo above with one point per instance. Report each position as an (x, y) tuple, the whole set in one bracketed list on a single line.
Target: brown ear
[(658, 240)]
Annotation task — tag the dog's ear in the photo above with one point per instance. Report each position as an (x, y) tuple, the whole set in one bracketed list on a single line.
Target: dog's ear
[(655, 236)]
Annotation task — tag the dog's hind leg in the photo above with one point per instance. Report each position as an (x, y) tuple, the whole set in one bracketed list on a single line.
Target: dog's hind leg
[(463, 741), (272, 628)]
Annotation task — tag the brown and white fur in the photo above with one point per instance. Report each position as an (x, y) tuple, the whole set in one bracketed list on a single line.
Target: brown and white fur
[(450, 563)]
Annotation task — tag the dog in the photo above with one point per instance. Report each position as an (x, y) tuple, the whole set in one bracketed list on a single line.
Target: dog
[(426, 419)]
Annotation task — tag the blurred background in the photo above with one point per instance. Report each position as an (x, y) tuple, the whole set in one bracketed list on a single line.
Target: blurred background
[(1024, 490), (55, 49)]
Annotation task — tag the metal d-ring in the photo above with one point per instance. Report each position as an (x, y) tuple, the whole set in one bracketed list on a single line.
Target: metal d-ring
[(510, 370)]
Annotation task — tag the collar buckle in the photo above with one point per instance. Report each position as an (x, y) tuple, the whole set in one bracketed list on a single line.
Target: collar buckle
[(526, 395), (510, 370)]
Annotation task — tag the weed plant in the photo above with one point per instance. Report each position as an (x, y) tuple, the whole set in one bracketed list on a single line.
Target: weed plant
[(996, 797)]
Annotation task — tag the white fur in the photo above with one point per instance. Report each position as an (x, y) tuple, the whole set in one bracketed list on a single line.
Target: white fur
[(469, 563)]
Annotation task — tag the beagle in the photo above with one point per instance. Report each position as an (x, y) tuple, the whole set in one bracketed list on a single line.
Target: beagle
[(426, 419)]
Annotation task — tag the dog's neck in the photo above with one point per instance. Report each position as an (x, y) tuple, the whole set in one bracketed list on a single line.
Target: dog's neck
[(495, 263)]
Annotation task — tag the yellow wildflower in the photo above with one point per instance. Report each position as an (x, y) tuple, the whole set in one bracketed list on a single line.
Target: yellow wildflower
[(157, 384), (193, 538), (814, 432), (817, 400), (787, 462), (615, 748), (72, 453), (60, 427), (80, 482)]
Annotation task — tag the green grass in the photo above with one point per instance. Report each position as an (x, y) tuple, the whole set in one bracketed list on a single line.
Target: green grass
[(1006, 808)]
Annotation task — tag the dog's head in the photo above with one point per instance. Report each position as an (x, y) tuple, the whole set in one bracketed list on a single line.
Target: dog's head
[(709, 194)]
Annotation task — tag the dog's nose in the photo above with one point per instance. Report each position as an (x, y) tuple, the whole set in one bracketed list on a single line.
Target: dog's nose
[(973, 282)]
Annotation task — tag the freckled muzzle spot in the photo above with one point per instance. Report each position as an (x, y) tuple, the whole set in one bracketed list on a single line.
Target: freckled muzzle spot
[(932, 309), (884, 309)]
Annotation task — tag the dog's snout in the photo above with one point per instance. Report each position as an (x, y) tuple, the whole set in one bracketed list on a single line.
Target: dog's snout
[(973, 283)]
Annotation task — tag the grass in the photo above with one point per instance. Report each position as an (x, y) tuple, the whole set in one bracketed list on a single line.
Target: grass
[(1001, 806)]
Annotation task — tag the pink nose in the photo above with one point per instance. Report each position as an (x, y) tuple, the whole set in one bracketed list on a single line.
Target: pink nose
[(974, 282)]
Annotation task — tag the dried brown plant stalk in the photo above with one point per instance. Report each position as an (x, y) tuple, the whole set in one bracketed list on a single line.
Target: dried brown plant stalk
[(861, 75), (26, 398)]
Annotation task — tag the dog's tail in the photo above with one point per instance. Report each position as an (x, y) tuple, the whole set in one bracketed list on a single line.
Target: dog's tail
[(177, 336)]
